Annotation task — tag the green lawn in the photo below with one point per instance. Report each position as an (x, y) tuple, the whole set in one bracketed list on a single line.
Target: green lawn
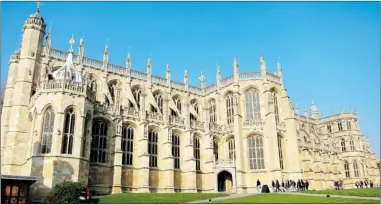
[(284, 198), (156, 197), (363, 192)]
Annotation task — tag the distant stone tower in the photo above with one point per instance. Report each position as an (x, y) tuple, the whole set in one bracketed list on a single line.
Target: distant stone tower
[(23, 74)]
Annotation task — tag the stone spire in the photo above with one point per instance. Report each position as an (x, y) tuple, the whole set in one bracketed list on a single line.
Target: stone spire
[(202, 80), (314, 111), (48, 41), (305, 111), (128, 60), (81, 51), (279, 68), (297, 109), (263, 66), (186, 79), (218, 75), (105, 57), (71, 42), (168, 75), (149, 66)]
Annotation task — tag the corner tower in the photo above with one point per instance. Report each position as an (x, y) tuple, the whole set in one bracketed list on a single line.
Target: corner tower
[(24, 75)]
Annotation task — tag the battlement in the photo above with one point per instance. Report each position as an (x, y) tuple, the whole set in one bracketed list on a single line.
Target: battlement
[(133, 73)]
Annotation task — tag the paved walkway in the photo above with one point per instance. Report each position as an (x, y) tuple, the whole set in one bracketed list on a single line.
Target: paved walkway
[(231, 196)]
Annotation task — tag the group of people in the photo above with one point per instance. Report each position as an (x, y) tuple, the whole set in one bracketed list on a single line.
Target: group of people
[(338, 184), (360, 184), (286, 186)]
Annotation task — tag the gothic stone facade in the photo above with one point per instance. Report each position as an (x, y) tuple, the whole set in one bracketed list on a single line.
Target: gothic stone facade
[(69, 117)]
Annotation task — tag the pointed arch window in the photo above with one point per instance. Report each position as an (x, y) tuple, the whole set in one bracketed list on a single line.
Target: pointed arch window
[(256, 156), (127, 145), (280, 151), (215, 148), (178, 104), (84, 137), (176, 150), (276, 109), (231, 149), (329, 129), (159, 101), (136, 92), (47, 131), (346, 169), (352, 145), (340, 126), (355, 169), (349, 125), (253, 110), (152, 148), (212, 112), (99, 142), (196, 152), (343, 147), (229, 108), (68, 135)]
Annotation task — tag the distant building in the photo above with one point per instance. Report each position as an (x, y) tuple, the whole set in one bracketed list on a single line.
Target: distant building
[(69, 117)]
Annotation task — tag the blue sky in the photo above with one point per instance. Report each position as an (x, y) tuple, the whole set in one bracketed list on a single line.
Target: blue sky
[(329, 51)]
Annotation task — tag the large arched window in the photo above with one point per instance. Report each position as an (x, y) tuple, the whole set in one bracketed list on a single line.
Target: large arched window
[(136, 92), (229, 108), (176, 150), (215, 148), (68, 135), (196, 152), (84, 136), (276, 110), (159, 101), (256, 156), (212, 112), (177, 101), (352, 145), (152, 148), (99, 142), (231, 149), (280, 150), (127, 145), (343, 148), (346, 169), (47, 131), (253, 110), (355, 169)]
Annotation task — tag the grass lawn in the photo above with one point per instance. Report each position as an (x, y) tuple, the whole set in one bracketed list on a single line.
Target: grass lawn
[(284, 198), (156, 197), (363, 192)]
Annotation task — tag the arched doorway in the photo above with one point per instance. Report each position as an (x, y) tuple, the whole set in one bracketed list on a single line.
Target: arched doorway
[(224, 182)]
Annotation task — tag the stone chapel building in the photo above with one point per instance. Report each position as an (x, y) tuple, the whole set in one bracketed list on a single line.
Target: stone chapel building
[(69, 117)]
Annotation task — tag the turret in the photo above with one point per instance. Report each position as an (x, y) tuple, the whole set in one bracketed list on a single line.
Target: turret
[(279, 71), (128, 64), (25, 78), (168, 75), (149, 72)]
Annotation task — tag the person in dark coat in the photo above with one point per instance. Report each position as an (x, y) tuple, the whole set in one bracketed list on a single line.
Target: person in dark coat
[(273, 185), (307, 184), (282, 186), (298, 186), (258, 185), (277, 186)]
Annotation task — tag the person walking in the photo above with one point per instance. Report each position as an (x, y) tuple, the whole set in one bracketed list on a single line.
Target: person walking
[(273, 185), (277, 189), (307, 184), (258, 186)]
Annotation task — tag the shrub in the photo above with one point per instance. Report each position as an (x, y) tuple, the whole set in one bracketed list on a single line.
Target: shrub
[(65, 192)]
